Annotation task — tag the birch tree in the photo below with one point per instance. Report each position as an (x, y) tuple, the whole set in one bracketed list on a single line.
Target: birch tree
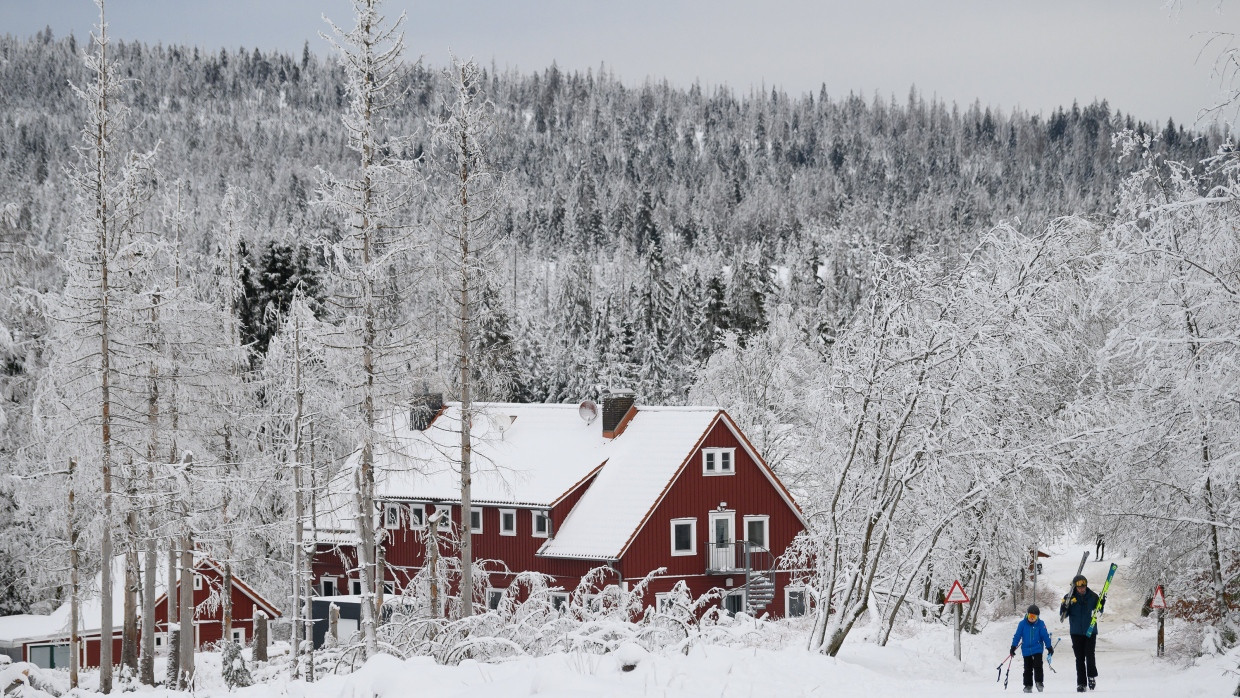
[(369, 275), (467, 191)]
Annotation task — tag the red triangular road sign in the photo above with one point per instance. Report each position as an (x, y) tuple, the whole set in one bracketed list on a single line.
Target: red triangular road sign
[(956, 595), (1159, 601)]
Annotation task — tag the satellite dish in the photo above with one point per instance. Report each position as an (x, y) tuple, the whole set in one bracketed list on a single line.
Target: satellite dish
[(588, 411)]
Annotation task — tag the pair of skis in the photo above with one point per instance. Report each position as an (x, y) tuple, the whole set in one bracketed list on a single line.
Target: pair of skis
[(1102, 598)]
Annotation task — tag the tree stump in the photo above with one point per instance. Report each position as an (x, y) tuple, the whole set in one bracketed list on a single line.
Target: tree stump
[(174, 656), (260, 636)]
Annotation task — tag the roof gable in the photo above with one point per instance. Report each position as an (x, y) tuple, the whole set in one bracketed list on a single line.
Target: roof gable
[(725, 419)]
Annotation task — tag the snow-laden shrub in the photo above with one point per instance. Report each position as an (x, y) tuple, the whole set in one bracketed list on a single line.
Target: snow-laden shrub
[(532, 619), (232, 666), (25, 680)]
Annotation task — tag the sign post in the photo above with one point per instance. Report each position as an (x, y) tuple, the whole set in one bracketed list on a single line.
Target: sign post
[(957, 596), (1160, 602)]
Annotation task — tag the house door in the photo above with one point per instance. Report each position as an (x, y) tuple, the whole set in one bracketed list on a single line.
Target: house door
[(722, 539)]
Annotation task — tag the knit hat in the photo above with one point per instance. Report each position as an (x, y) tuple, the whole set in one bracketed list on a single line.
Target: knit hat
[(1033, 608), (1079, 578)]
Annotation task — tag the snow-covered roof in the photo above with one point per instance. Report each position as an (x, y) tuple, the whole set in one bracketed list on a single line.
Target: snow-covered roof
[(531, 455), (641, 463), (22, 628)]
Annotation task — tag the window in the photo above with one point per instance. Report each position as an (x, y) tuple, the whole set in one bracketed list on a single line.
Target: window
[(391, 516), (794, 602), (355, 587), (50, 656), (389, 588), (475, 519), (494, 596), (542, 524), (663, 602), (329, 586), (559, 599), (197, 582), (718, 461), (684, 537), (238, 636), (161, 639), (508, 522), (756, 532), (734, 603), (417, 516)]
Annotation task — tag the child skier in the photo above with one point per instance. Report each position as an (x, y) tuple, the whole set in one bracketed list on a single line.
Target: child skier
[(1031, 635)]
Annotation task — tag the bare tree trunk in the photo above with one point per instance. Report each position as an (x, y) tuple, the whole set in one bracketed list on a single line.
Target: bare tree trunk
[(467, 546), (226, 603), (186, 681), (308, 611), (432, 557), (299, 513), (147, 668), (129, 626), (75, 594), (105, 368)]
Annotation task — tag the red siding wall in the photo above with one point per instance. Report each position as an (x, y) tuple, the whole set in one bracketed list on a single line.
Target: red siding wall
[(694, 495)]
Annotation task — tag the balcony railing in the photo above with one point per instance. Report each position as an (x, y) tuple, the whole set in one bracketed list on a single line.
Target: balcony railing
[(736, 556)]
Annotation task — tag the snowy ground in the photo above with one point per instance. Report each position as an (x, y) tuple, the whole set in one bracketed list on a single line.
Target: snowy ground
[(919, 664)]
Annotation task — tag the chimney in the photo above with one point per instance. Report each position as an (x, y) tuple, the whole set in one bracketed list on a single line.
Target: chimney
[(616, 404), (423, 408)]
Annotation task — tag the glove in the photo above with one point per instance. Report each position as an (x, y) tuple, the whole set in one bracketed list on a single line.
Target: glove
[(1012, 652), (1050, 652)]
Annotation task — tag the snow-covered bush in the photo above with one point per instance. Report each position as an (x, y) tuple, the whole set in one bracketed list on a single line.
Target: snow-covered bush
[(533, 619), (232, 666)]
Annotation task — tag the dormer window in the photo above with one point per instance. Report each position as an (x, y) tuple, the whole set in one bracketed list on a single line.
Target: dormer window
[(718, 461)]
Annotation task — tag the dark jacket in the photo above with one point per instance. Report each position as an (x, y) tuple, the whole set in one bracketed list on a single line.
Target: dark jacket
[(1080, 610), (1031, 637)]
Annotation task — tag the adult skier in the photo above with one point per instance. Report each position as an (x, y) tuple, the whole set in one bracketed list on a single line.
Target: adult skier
[(1079, 607), (1031, 635)]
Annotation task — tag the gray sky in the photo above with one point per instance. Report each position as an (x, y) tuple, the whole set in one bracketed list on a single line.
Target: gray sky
[(1033, 54)]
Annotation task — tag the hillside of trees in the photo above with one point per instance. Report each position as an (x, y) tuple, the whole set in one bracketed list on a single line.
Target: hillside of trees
[(643, 230)]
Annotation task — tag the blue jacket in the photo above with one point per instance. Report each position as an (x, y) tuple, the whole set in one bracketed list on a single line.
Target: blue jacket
[(1080, 610), (1031, 637)]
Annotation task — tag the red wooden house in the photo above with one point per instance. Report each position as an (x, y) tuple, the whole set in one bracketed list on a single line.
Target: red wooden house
[(44, 640), (563, 489)]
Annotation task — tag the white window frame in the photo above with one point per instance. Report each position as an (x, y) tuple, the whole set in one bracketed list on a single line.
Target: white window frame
[(502, 514), (197, 582), (713, 461), (160, 640), (355, 584), (481, 519), (559, 600), (535, 516), (391, 515), (765, 520), (692, 521), (788, 592), (662, 601), (238, 636), (324, 581), (421, 520), (497, 594)]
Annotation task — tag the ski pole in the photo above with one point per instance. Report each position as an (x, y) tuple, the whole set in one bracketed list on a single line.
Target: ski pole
[(1005, 661), (1007, 673), (1049, 657)]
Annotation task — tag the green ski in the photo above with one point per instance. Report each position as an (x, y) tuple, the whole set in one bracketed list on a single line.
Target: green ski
[(1102, 598)]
